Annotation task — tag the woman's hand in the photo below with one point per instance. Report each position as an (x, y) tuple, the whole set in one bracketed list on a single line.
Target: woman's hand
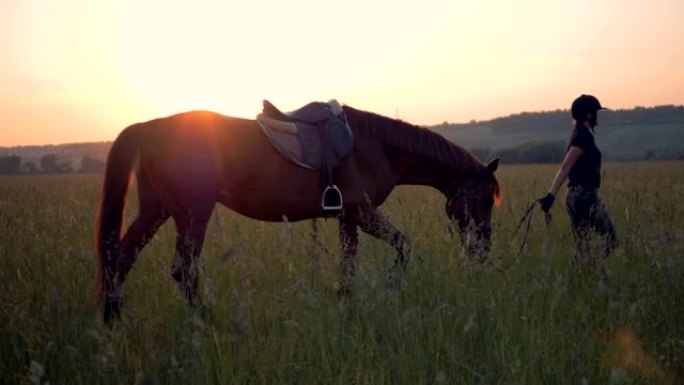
[(546, 202)]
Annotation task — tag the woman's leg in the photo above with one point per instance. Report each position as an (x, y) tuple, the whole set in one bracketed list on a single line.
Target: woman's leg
[(578, 208), (587, 212), (601, 222)]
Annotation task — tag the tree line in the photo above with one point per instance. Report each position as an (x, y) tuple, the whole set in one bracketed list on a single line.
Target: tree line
[(48, 164), (526, 123), (551, 151), (530, 122), (532, 152)]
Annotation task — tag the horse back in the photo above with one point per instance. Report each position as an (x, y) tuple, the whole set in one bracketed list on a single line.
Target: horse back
[(218, 158)]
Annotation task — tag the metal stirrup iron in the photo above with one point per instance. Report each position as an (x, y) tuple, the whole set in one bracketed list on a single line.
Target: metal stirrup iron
[(332, 198)]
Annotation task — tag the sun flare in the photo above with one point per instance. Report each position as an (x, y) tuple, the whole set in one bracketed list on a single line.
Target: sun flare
[(101, 65)]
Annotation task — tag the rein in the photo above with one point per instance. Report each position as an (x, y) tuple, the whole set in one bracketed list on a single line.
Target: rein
[(528, 217)]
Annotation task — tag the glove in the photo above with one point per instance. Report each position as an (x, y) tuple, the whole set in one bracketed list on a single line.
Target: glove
[(546, 202)]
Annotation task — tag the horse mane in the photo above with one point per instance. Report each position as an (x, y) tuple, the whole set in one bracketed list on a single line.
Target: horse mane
[(418, 141)]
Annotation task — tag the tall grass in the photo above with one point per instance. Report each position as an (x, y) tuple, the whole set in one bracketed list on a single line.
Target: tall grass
[(526, 317)]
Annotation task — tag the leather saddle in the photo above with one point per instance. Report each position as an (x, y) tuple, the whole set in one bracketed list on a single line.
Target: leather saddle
[(323, 136), (312, 113)]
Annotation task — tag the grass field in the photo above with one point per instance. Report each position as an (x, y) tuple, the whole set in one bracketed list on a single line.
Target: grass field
[(273, 318)]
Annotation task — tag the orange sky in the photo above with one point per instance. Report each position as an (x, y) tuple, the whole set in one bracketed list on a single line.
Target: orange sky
[(82, 70)]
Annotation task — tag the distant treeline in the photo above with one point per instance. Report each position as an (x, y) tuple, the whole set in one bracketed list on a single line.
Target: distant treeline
[(48, 164), (530, 122), (550, 152), (641, 133), (532, 152), (619, 128)]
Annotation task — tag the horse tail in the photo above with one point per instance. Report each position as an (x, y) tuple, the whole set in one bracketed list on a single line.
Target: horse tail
[(110, 220)]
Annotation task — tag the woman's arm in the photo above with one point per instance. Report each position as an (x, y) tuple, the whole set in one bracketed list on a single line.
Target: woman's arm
[(570, 159)]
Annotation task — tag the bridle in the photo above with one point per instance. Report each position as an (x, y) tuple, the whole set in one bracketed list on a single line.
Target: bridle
[(482, 229)]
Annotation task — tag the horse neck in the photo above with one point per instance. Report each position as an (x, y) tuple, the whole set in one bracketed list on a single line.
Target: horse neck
[(443, 175), (418, 156)]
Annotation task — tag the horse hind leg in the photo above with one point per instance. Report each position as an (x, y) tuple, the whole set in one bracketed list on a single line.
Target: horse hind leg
[(151, 217), (189, 241), (143, 228)]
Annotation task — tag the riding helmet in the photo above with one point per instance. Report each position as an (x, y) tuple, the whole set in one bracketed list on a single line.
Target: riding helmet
[(584, 104)]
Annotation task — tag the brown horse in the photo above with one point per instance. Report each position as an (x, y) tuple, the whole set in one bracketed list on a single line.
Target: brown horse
[(189, 161)]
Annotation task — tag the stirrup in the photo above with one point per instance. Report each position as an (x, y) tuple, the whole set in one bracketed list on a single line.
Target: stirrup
[(332, 198)]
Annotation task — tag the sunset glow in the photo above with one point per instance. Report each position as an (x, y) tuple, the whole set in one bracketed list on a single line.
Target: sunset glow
[(79, 70)]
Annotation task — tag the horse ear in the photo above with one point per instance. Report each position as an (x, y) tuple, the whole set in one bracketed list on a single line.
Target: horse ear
[(492, 166)]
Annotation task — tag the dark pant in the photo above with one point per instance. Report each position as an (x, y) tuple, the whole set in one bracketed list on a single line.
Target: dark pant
[(587, 212)]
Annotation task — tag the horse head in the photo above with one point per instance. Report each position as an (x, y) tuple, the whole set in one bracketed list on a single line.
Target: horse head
[(469, 205)]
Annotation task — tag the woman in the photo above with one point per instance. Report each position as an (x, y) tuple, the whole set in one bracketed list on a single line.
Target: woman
[(582, 167)]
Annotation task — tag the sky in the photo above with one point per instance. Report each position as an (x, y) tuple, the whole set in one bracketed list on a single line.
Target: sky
[(82, 70)]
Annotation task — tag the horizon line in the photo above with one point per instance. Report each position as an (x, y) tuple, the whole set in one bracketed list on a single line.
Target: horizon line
[(472, 121)]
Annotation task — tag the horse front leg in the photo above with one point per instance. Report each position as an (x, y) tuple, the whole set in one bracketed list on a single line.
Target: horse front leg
[(378, 226), (349, 240)]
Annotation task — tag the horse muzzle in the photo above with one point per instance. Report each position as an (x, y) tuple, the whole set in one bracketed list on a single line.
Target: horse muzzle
[(477, 243)]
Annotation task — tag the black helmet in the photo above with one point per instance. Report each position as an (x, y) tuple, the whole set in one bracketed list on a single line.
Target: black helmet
[(583, 105)]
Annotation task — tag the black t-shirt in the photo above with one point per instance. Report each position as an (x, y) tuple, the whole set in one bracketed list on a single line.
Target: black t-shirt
[(586, 172)]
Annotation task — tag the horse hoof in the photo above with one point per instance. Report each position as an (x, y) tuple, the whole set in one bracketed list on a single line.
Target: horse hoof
[(395, 278), (112, 310), (205, 313), (344, 292), (177, 274)]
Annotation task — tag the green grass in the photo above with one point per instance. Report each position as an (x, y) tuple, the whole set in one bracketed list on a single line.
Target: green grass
[(273, 317)]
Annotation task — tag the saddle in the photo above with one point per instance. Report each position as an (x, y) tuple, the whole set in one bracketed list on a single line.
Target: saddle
[(316, 136)]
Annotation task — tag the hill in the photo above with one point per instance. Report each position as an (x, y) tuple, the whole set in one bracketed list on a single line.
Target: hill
[(623, 135)]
